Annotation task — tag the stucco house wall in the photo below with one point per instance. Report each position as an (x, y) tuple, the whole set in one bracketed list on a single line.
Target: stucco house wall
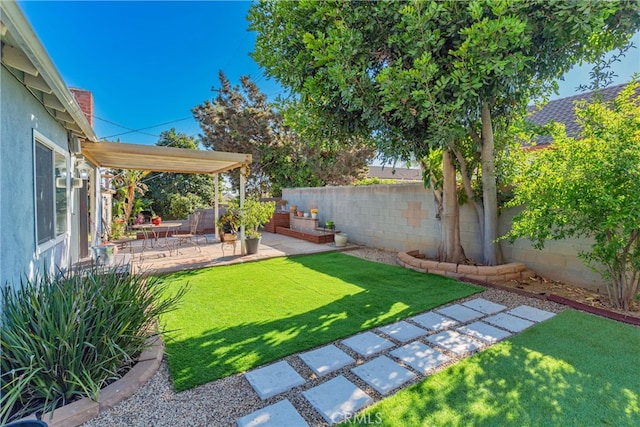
[(402, 217), (21, 114)]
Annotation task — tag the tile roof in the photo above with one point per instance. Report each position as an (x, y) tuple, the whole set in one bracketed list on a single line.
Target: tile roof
[(563, 111)]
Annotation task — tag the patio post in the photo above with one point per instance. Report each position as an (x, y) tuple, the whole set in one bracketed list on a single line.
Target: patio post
[(216, 178), (243, 171)]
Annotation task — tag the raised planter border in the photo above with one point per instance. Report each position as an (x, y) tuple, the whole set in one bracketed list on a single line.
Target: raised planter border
[(415, 261), (409, 260), (79, 412)]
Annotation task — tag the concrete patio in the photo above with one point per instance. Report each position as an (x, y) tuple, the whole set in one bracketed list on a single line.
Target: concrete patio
[(213, 253)]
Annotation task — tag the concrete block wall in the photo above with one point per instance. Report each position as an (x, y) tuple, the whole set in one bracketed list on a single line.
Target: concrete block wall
[(402, 217)]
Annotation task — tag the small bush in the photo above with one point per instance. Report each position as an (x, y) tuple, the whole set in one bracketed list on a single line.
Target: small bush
[(66, 337), (375, 181)]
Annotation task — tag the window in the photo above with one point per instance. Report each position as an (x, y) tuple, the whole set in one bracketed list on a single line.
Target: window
[(50, 190)]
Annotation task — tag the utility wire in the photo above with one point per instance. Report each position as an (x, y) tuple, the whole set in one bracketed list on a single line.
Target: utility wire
[(131, 130)]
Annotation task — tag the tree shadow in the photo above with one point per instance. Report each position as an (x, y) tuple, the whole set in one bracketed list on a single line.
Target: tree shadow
[(574, 369), (377, 295)]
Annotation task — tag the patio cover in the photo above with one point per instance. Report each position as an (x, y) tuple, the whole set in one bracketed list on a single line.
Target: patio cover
[(154, 158), (119, 155)]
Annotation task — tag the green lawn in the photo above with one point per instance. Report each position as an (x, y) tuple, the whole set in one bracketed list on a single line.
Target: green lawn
[(572, 370), (237, 317)]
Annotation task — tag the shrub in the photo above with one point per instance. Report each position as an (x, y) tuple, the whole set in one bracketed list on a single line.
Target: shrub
[(180, 206), (375, 181), (590, 187), (66, 337), (254, 215)]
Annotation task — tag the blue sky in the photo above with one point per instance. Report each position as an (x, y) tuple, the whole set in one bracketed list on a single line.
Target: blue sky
[(149, 63)]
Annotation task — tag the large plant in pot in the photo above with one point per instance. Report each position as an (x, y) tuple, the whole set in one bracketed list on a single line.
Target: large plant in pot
[(228, 225), (254, 215)]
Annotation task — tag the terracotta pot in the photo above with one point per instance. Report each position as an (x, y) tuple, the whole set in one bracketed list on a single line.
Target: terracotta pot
[(156, 221), (300, 213)]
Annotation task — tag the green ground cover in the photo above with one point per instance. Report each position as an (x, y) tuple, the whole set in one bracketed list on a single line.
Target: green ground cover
[(572, 370), (237, 317)]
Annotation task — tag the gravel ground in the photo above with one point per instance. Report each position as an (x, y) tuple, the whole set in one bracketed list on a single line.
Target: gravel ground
[(221, 402)]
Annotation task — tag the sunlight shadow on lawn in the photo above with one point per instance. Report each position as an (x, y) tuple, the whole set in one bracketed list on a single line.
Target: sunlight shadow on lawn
[(290, 305)]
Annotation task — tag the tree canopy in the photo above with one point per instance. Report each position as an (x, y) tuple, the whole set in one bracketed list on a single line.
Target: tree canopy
[(175, 195), (241, 119), (429, 74)]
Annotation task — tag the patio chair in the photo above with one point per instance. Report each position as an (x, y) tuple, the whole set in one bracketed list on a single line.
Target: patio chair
[(191, 236)]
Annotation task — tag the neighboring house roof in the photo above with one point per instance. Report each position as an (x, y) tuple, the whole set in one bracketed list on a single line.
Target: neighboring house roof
[(389, 172), (563, 111), (27, 60)]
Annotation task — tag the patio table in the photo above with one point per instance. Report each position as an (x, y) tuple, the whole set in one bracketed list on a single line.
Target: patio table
[(153, 234)]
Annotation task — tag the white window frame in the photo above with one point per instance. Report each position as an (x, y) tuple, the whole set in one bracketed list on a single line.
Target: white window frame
[(39, 138)]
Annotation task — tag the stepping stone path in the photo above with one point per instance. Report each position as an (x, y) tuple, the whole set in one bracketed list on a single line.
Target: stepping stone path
[(383, 374), (367, 344), (509, 322), (425, 340), (274, 379), (403, 331), (460, 313), (434, 321), (277, 415), (484, 332), (326, 359), (455, 342), (420, 356), (337, 399)]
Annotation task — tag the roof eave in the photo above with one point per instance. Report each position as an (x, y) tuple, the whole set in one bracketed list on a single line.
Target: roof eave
[(31, 46)]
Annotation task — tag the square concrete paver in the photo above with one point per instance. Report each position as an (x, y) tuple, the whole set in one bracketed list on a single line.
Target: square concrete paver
[(326, 359), (484, 306), (277, 415), (531, 313), (434, 321), (367, 343), (509, 322), (460, 313), (337, 399), (484, 332), (402, 331), (273, 379), (420, 356), (455, 342), (383, 374)]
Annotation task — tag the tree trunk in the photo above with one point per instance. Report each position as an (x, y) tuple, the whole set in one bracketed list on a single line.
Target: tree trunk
[(490, 249), (450, 248), (466, 184)]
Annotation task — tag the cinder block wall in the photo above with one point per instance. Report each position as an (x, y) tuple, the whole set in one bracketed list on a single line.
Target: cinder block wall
[(402, 217)]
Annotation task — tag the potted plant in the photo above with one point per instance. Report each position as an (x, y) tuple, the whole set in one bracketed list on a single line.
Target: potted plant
[(228, 225), (340, 240), (314, 213), (330, 225), (254, 215), (283, 204)]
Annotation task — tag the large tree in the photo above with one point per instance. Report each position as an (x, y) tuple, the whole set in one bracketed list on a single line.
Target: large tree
[(241, 119), (433, 74), (174, 195)]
